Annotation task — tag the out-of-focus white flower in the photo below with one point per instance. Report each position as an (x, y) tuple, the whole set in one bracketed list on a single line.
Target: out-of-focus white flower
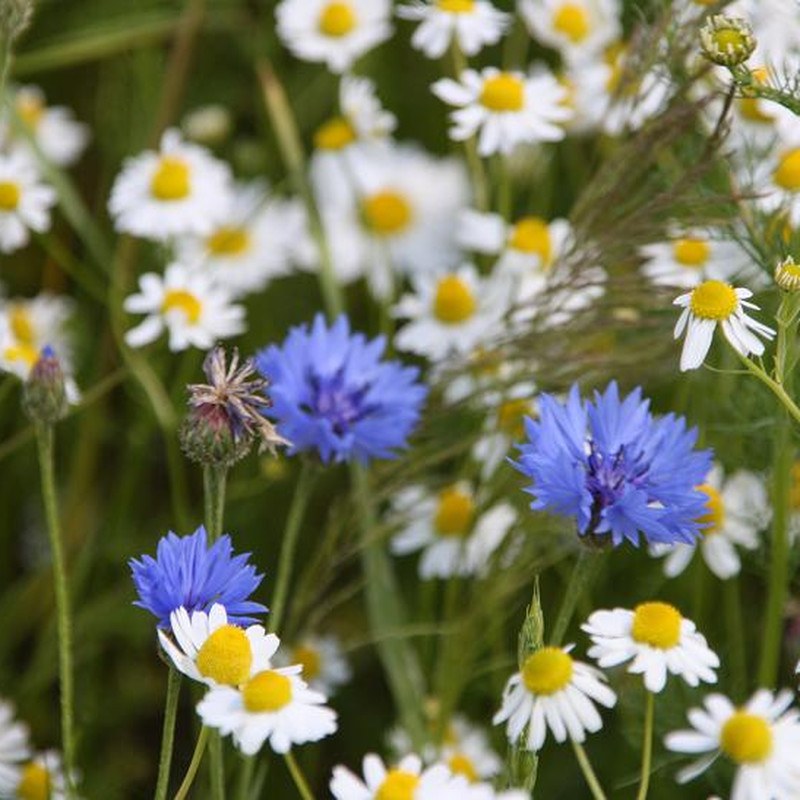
[(41, 777), (325, 668), (777, 177), (15, 749), (25, 201), (409, 779), (208, 125)]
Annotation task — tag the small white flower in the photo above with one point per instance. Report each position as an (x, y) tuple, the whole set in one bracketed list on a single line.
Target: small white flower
[(761, 738), (466, 751), (206, 648), (553, 691), (656, 639), (714, 302), (40, 777), (14, 749), (334, 32), (25, 201), (180, 190), (777, 177), (504, 109), (188, 304), (406, 780), (325, 668), (472, 24)]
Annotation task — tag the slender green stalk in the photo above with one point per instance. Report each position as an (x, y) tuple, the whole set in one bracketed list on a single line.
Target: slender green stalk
[(504, 191), (5, 62), (588, 772), (735, 630), (583, 574), (298, 777), (774, 386), (291, 534), (246, 777), (216, 763), (194, 765), (214, 483), (44, 438), (168, 733), (647, 745)]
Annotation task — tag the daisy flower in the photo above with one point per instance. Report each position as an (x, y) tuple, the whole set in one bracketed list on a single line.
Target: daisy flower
[(454, 312), (504, 109), (210, 649), (553, 691), (777, 177), (25, 202), (737, 509), (41, 777), (409, 779), (761, 739), (466, 751), (188, 304), (180, 190), (471, 24), (325, 668), (334, 32), (714, 302), (656, 639), (273, 705), (454, 537), (14, 748)]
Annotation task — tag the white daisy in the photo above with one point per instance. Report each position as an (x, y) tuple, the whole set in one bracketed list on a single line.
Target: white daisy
[(504, 109), (408, 780), (335, 32), (714, 302), (738, 509), (181, 190), (41, 778), (466, 751), (657, 639), (14, 748), (206, 648), (188, 304), (776, 25), (325, 668), (451, 313), (454, 538), (274, 705), (777, 177), (553, 691), (761, 738), (472, 24), (25, 202)]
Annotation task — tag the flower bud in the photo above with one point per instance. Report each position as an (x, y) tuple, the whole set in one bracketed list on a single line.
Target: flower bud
[(208, 439), (44, 394), (727, 41), (787, 275)]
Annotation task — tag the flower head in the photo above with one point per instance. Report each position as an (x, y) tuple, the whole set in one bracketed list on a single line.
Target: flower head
[(787, 275), (325, 667), (14, 749), (45, 392), (407, 779), (727, 41), (25, 201), (615, 468), (332, 393), (187, 573)]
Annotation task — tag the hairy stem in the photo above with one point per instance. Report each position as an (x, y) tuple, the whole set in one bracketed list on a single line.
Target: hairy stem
[(297, 776), (647, 746), (168, 733), (583, 574), (214, 483), (194, 765), (588, 772)]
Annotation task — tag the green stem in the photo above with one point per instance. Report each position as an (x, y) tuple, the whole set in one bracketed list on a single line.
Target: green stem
[(246, 777), (737, 649), (588, 772), (214, 483), (774, 386), (583, 574), (291, 534), (44, 438), (647, 745), (216, 763), (194, 765), (298, 777), (504, 193), (168, 733)]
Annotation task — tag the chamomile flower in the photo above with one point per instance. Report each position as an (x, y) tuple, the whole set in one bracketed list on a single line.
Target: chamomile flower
[(14, 748), (657, 639), (188, 304), (777, 179), (761, 739), (210, 649), (454, 312), (181, 190), (41, 777), (737, 509), (334, 32), (714, 302), (325, 668), (408, 780), (272, 705), (553, 691), (504, 109), (466, 751), (471, 24), (455, 537), (25, 201)]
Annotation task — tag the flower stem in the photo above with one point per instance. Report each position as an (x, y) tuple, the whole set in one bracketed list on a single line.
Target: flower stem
[(44, 438), (216, 763), (583, 574), (774, 386), (246, 777), (214, 483), (194, 765), (647, 745), (168, 733), (298, 777), (588, 772), (735, 630)]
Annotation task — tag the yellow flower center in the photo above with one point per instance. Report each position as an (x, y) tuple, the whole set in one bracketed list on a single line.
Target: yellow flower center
[(729, 38), (657, 624), (572, 20), (787, 174), (335, 134), (171, 180), (22, 325), (531, 235), (9, 196), (310, 660), (750, 107), (454, 301), (547, 671), (267, 691), (503, 92), (692, 253), (714, 517), (229, 241), (30, 109), (397, 785), (456, 6), (713, 300), (226, 656), (511, 417), (387, 213), (746, 738), (21, 352), (454, 513), (183, 301), (35, 783), (337, 19), (460, 765)]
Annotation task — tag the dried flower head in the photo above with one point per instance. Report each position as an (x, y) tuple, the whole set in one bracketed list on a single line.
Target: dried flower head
[(787, 275), (727, 41)]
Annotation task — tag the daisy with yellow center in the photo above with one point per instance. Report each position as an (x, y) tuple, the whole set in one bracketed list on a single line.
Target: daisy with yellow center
[(504, 109), (760, 738), (25, 201), (41, 778), (325, 667), (713, 303), (656, 639), (553, 691), (776, 179), (467, 751), (15, 750)]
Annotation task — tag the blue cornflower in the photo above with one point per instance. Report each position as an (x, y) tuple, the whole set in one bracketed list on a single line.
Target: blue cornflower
[(615, 468), (187, 572), (332, 393)]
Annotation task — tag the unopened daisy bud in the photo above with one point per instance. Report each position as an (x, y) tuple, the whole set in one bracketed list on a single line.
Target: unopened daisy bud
[(208, 125), (727, 41), (787, 275), (45, 395)]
